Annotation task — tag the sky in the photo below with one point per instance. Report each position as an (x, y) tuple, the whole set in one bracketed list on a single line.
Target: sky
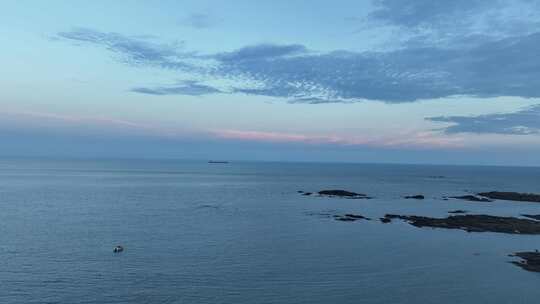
[(387, 81)]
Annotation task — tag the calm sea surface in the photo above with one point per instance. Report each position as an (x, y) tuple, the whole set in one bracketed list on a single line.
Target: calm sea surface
[(240, 233)]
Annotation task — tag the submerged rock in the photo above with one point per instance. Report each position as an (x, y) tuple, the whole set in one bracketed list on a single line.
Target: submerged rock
[(385, 220), (343, 193), (472, 198), (474, 223), (307, 193), (530, 260), (418, 196), (512, 196), (118, 249)]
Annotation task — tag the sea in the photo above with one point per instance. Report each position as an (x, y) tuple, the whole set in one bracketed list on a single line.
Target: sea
[(195, 232)]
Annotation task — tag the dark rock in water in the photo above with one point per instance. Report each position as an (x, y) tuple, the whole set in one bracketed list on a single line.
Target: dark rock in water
[(530, 260), (419, 197), (306, 193), (344, 218), (472, 198), (350, 217), (300, 191), (474, 223), (532, 216), (457, 211), (357, 216), (118, 249), (342, 193), (320, 214), (512, 196), (385, 220)]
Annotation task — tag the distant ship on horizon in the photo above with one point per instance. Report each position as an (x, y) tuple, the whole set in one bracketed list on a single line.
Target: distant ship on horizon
[(218, 162)]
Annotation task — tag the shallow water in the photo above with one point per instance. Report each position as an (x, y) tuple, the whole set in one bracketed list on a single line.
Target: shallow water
[(240, 233)]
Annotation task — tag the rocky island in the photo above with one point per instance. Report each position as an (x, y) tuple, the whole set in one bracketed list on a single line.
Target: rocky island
[(530, 260), (474, 223), (532, 216), (343, 194), (512, 196)]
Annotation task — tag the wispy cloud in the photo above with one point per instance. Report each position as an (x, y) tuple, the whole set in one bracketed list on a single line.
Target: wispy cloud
[(82, 125), (131, 50), (199, 21), (525, 122), (411, 139), (261, 52), (191, 88)]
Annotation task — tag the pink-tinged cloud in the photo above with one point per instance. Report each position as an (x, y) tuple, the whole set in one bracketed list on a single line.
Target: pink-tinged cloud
[(81, 125), (419, 139)]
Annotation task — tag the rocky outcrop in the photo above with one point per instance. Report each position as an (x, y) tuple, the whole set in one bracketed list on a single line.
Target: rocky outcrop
[(457, 211), (350, 217), (418, 197), (512, 196), (472, 198), (532, 216), (343, 194), (530, 261), (474, 223)]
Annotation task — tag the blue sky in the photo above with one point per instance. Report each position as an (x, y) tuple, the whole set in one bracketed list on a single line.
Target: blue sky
[(365, 81)]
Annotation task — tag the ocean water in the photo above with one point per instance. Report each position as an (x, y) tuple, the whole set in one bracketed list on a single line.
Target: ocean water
[(240, 233)]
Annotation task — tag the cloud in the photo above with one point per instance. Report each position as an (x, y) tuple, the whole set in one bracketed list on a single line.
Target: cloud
[(419, 12), (455, 23), (261, 52), (411, 139), (508, 67), (525, 122), (199, 21), (192, 88), (503, 67), (138, 50)]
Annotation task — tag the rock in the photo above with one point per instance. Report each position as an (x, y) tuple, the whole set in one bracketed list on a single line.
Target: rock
[(472, 198), (530, 260), (474, 223), (512, 196), (342, 193), (457, 211), (418, 196), (306, 193), (300, 191), (344, 218), (357, 216), (118, 249), (320, 214), (385, 220), (350, 217), (532, 216)]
